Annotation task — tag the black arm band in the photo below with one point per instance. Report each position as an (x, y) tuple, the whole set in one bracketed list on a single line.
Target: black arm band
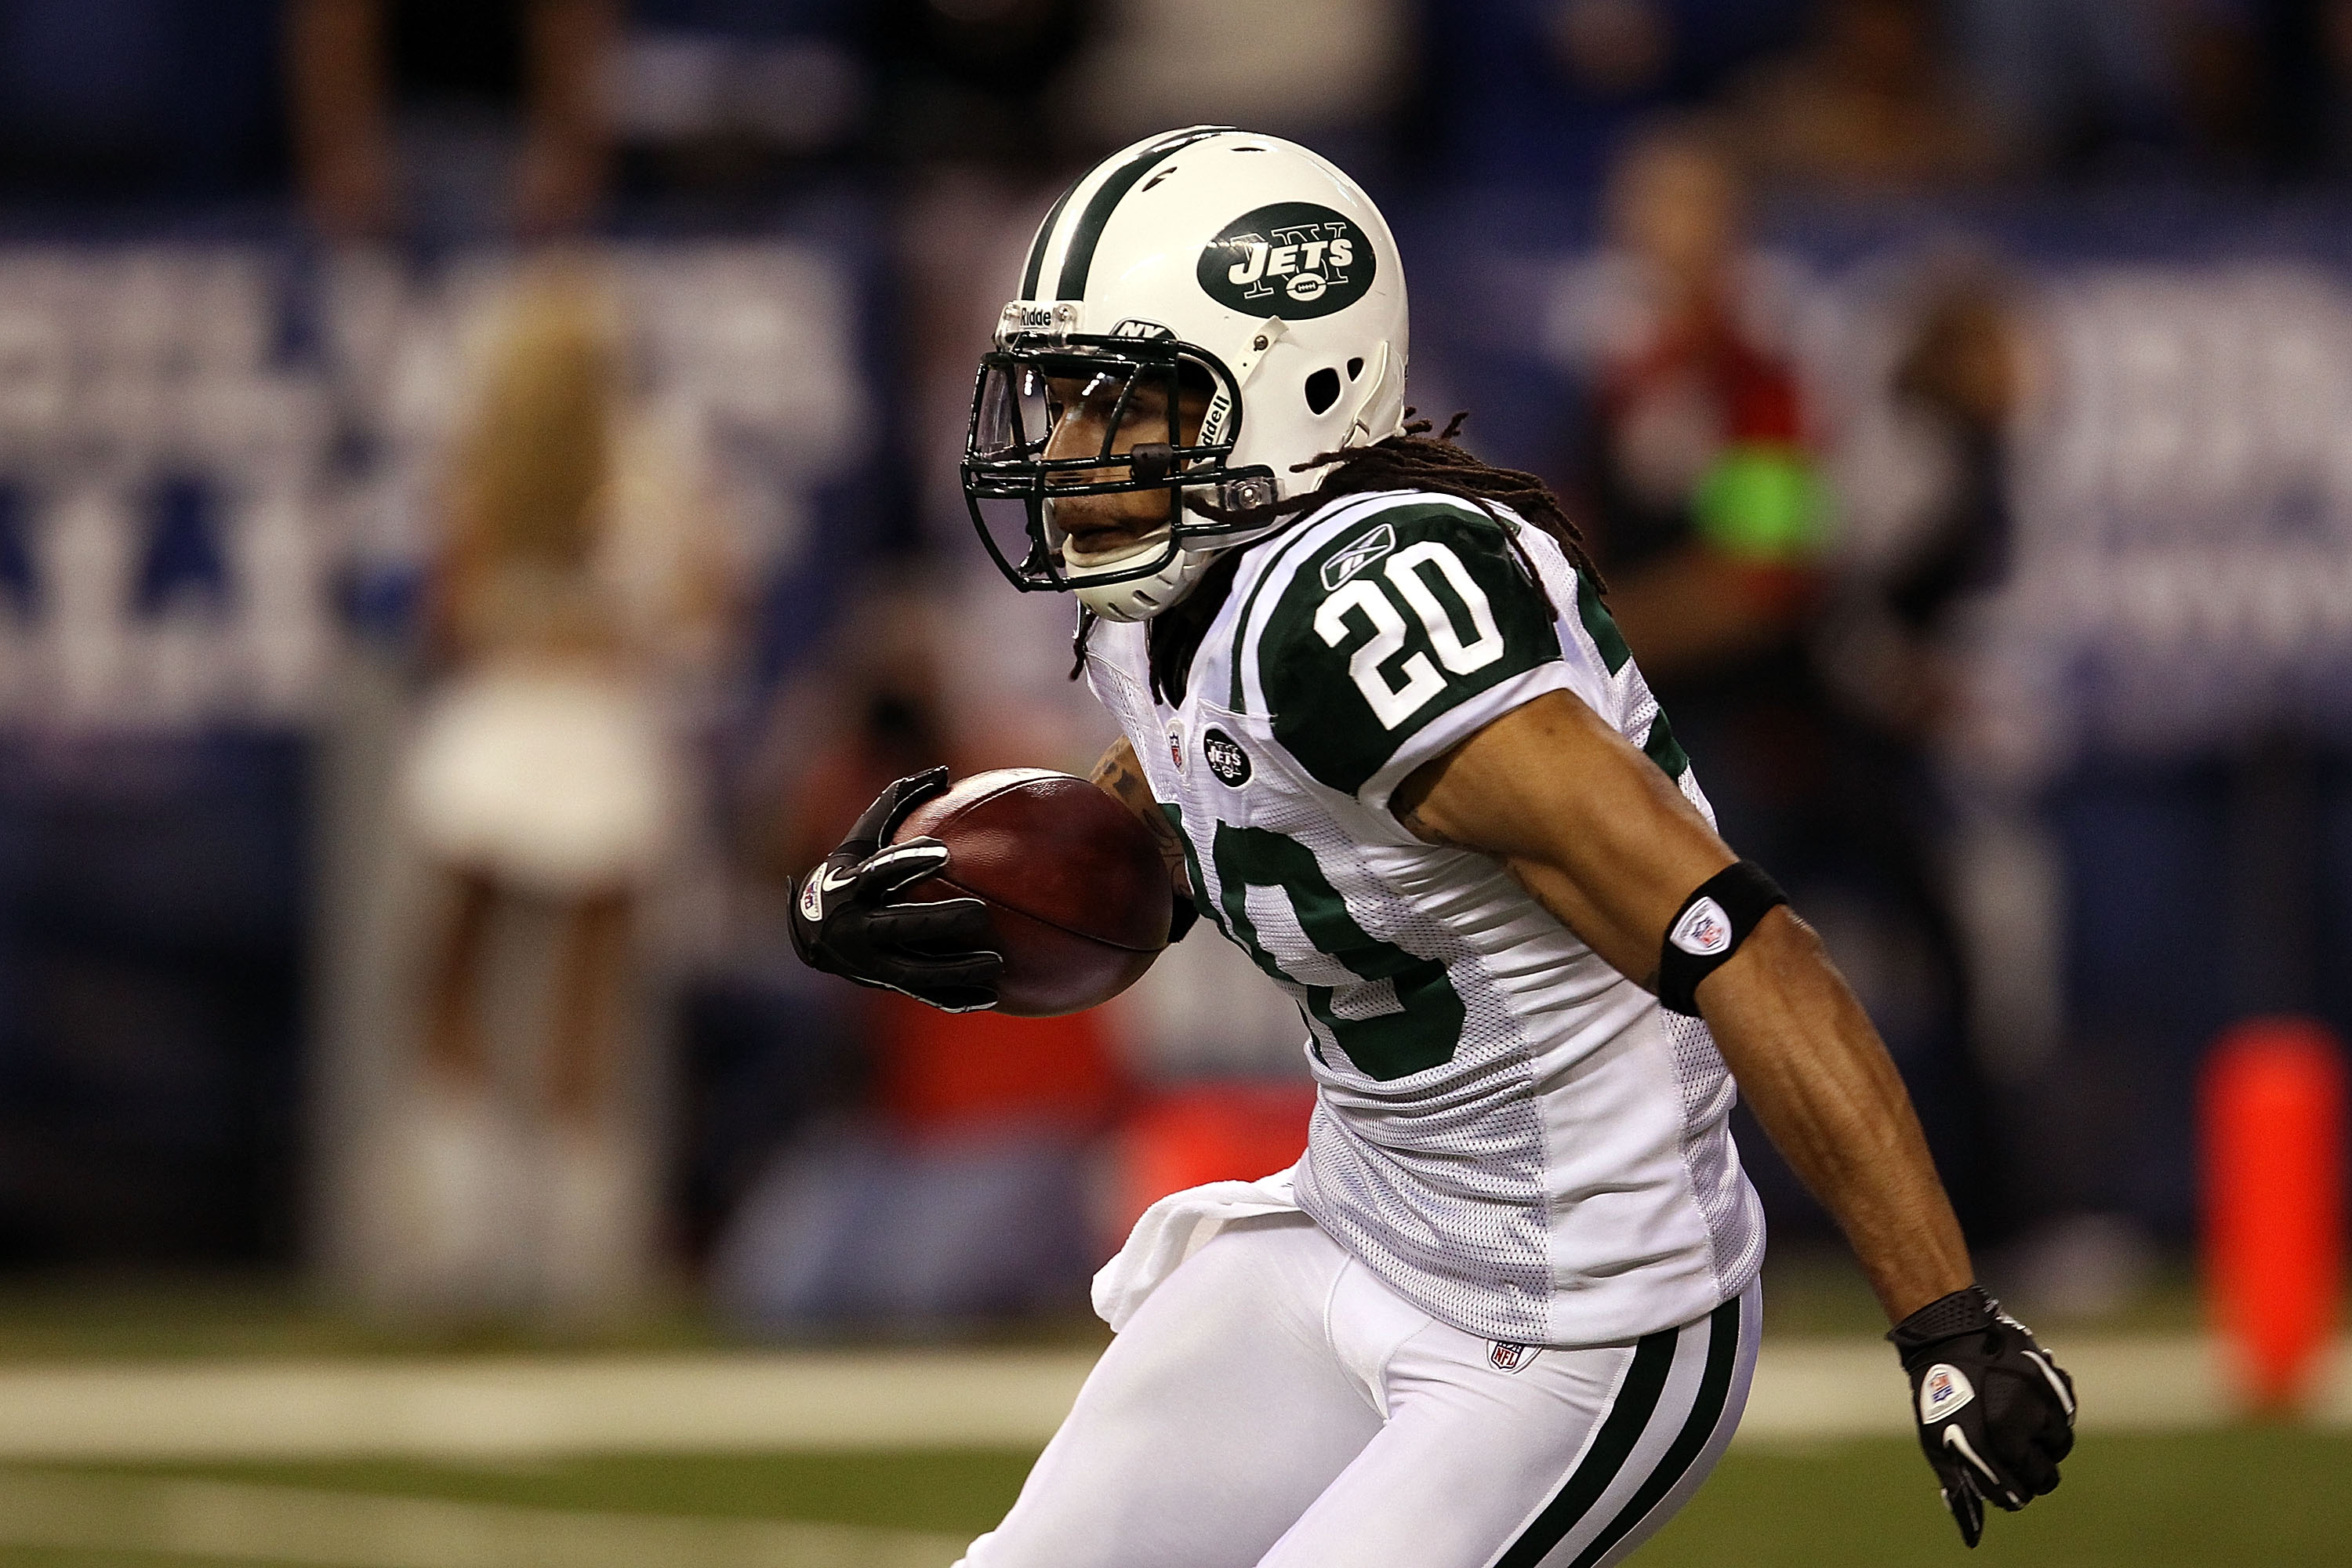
[(1708, 928)]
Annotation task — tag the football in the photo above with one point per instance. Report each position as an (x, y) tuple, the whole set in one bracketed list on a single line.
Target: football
[(1077, 893)]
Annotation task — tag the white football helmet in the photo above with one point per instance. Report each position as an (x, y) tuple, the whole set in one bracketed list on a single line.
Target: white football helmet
[(1243, 265)]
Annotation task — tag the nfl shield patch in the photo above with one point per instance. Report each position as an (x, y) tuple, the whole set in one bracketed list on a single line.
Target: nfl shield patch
[(1508, 1357)]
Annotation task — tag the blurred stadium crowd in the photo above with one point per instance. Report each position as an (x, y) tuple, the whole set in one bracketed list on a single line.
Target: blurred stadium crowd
[(478, 514)]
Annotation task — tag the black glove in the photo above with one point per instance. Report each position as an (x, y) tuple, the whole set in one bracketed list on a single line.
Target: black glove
[(1995, 1413), (844, 923)]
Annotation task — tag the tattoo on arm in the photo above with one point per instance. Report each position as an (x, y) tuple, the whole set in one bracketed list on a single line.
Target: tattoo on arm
[(1420, 829), (1406, 802), (1119, 775)]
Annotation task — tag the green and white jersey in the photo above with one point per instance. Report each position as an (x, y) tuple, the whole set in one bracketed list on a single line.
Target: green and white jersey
[(1508, 1132)]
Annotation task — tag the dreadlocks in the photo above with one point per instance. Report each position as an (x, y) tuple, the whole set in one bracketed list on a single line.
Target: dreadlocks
[(1412, 461)]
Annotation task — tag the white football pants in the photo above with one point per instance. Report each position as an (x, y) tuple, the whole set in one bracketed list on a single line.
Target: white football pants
[(1273, 1403)]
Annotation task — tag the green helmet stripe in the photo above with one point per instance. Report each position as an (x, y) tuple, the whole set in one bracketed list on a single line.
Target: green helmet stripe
[(1045, 233), (1079, 257)]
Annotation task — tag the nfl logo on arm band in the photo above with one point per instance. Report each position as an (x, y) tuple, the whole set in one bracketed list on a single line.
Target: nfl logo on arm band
[(1704, 931), (1708, 928)]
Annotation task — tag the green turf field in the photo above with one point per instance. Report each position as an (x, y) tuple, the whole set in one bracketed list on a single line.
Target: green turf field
[(2239, 1498), (2220, 1500), (2243, 1498)]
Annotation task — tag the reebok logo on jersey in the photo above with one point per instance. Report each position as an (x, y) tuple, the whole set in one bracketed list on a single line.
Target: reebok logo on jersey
[(1942, 1392), (1505, 1357), (1704, 931), (1225, 758), (1293, 259), (1358, 553)]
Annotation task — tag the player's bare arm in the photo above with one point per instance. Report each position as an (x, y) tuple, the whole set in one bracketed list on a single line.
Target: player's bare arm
[(1603, 840), (1607, 843), (1120, 776)]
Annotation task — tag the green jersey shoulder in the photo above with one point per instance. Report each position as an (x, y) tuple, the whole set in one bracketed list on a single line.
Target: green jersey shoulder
[(1383, 633)]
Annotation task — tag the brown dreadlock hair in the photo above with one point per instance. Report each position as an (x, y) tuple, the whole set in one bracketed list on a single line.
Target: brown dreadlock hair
[(1413, 460)]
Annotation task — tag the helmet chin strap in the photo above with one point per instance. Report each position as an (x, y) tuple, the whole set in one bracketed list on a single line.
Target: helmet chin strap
[(1141, 599), (1136, 598)]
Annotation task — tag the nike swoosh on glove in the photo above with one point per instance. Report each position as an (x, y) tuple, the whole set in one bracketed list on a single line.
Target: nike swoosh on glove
[(1995, 1413), (844, 922)]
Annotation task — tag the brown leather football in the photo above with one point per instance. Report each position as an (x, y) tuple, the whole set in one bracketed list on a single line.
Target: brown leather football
[(1077, 893)]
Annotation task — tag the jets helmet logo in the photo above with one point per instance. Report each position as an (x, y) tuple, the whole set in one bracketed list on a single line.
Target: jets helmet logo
[(1293, 259)]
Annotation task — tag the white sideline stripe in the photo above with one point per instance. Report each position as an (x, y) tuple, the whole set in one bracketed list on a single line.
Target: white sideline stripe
[(1804, 1390), (675, 1404), (342, 1529)]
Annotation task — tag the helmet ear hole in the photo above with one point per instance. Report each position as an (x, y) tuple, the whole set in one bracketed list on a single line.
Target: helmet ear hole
[(1355, 368), (1322, 389)]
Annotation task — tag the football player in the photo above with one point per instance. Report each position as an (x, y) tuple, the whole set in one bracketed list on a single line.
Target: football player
[(1503, 1311)]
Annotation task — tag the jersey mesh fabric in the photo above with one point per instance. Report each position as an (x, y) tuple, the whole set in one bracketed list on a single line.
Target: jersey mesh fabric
[(1735, 1219), (1436, 1175), (1558, 1170)]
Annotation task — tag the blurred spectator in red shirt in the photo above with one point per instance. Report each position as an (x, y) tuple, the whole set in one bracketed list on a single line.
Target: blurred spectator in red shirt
[(1709, 505)]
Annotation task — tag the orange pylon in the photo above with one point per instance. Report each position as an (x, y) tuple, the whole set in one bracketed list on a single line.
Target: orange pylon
[(2272, 1108)]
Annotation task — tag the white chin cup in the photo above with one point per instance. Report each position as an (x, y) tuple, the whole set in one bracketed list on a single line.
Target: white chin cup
[(1136, 598)]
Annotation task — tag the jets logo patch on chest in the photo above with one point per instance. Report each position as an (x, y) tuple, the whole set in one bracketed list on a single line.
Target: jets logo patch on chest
[(1225, 758)]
